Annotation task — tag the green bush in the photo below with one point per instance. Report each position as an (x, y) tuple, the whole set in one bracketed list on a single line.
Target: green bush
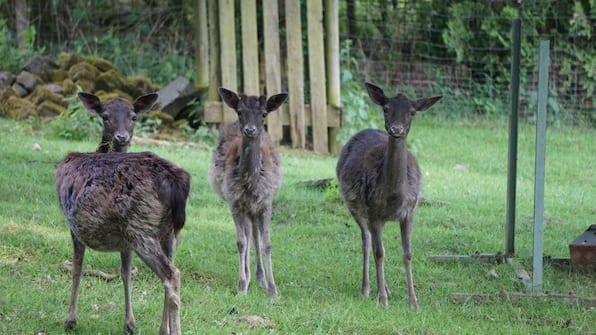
[(77, 123), (13, 57)]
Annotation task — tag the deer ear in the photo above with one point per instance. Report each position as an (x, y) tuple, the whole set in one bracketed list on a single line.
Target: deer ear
[(376, 94), (145, 102), (90, 101), (275, 101), (425, 103), (230, 98)]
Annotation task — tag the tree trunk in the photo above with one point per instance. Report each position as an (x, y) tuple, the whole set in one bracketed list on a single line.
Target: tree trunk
[(22, 16)]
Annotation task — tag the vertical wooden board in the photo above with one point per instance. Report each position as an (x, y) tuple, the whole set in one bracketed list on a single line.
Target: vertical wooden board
[(227, 38), (295, 73), (250, 54), (332, 57), (316, 70), (272, 65), (332, 52), (214, 50), (201, 44)]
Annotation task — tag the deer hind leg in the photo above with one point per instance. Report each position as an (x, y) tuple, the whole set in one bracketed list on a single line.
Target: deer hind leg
[(129, 319), (152, 254), (376, 230), (168, 246), (243, 234), (406, 236), (266, 250), (257, 233), (366, 245), (77, 269)]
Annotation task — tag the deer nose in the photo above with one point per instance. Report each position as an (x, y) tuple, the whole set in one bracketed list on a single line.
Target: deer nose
[(396, 131), (250, 131), (121, 138)]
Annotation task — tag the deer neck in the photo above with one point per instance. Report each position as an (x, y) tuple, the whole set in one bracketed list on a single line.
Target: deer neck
[(250, 156), (395, 169)]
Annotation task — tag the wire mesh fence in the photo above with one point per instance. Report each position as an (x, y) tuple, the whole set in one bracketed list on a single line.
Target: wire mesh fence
[(462, 49)]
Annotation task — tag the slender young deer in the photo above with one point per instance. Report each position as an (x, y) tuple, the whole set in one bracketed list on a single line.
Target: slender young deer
[(125, 202), (119, 117), (380, 181), (245, 171)]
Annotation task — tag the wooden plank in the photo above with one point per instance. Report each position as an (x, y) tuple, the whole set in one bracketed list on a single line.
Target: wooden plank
[(295, 74), (272, 65), (227, 38), (214, 49), (201, 45), (250, 54), (316, 70), (332, 57)]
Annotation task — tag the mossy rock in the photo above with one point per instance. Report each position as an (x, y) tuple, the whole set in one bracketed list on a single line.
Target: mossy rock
[(137, 86), (112, 94), (19, 108), (65, 60), (86, 85), (166, 119), (57, 75), (6, 93), (83, 71), (68, 87), (50, 109), (110, 80), (43, 94), (102, 64)]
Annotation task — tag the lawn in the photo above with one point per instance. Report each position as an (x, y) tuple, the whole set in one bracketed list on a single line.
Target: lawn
[(316, 244)]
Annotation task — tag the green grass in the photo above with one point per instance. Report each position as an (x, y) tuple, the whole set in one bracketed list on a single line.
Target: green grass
[(316, 245)]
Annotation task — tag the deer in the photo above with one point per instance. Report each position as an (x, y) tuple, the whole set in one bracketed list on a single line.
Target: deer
[(380, 181), (245, 172), (118, 117), (125, 202)]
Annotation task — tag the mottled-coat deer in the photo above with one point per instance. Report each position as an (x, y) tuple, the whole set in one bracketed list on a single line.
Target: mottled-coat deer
[(245, 171)]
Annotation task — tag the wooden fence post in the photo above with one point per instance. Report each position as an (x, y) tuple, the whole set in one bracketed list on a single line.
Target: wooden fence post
[(250, 54), (316, 70), (333, 76), (201, 45), (227, 38), (295, 73), (272, 65)]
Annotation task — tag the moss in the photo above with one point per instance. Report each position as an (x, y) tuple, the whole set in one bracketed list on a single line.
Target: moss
[(108, 81), (102, 64), (50, 109), (42, 94), (57, 75), (112, 94), (65, 60), (19, 108), (6, 93), (83, 71), (86, 85), (137, 86), (68, 87)]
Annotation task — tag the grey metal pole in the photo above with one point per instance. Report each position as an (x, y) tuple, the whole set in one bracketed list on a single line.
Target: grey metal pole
[(537, 250), (513, 128)]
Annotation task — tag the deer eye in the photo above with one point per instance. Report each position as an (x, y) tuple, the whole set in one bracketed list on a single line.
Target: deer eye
[(264, 115), (134, 118)]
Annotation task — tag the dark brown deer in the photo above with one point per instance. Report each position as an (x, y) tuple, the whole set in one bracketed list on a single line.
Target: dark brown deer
[(125, 202), (246, 173), (380, 181), (119, 117)]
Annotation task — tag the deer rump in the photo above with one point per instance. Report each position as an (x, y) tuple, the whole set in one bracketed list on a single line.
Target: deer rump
[(115, 199)]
